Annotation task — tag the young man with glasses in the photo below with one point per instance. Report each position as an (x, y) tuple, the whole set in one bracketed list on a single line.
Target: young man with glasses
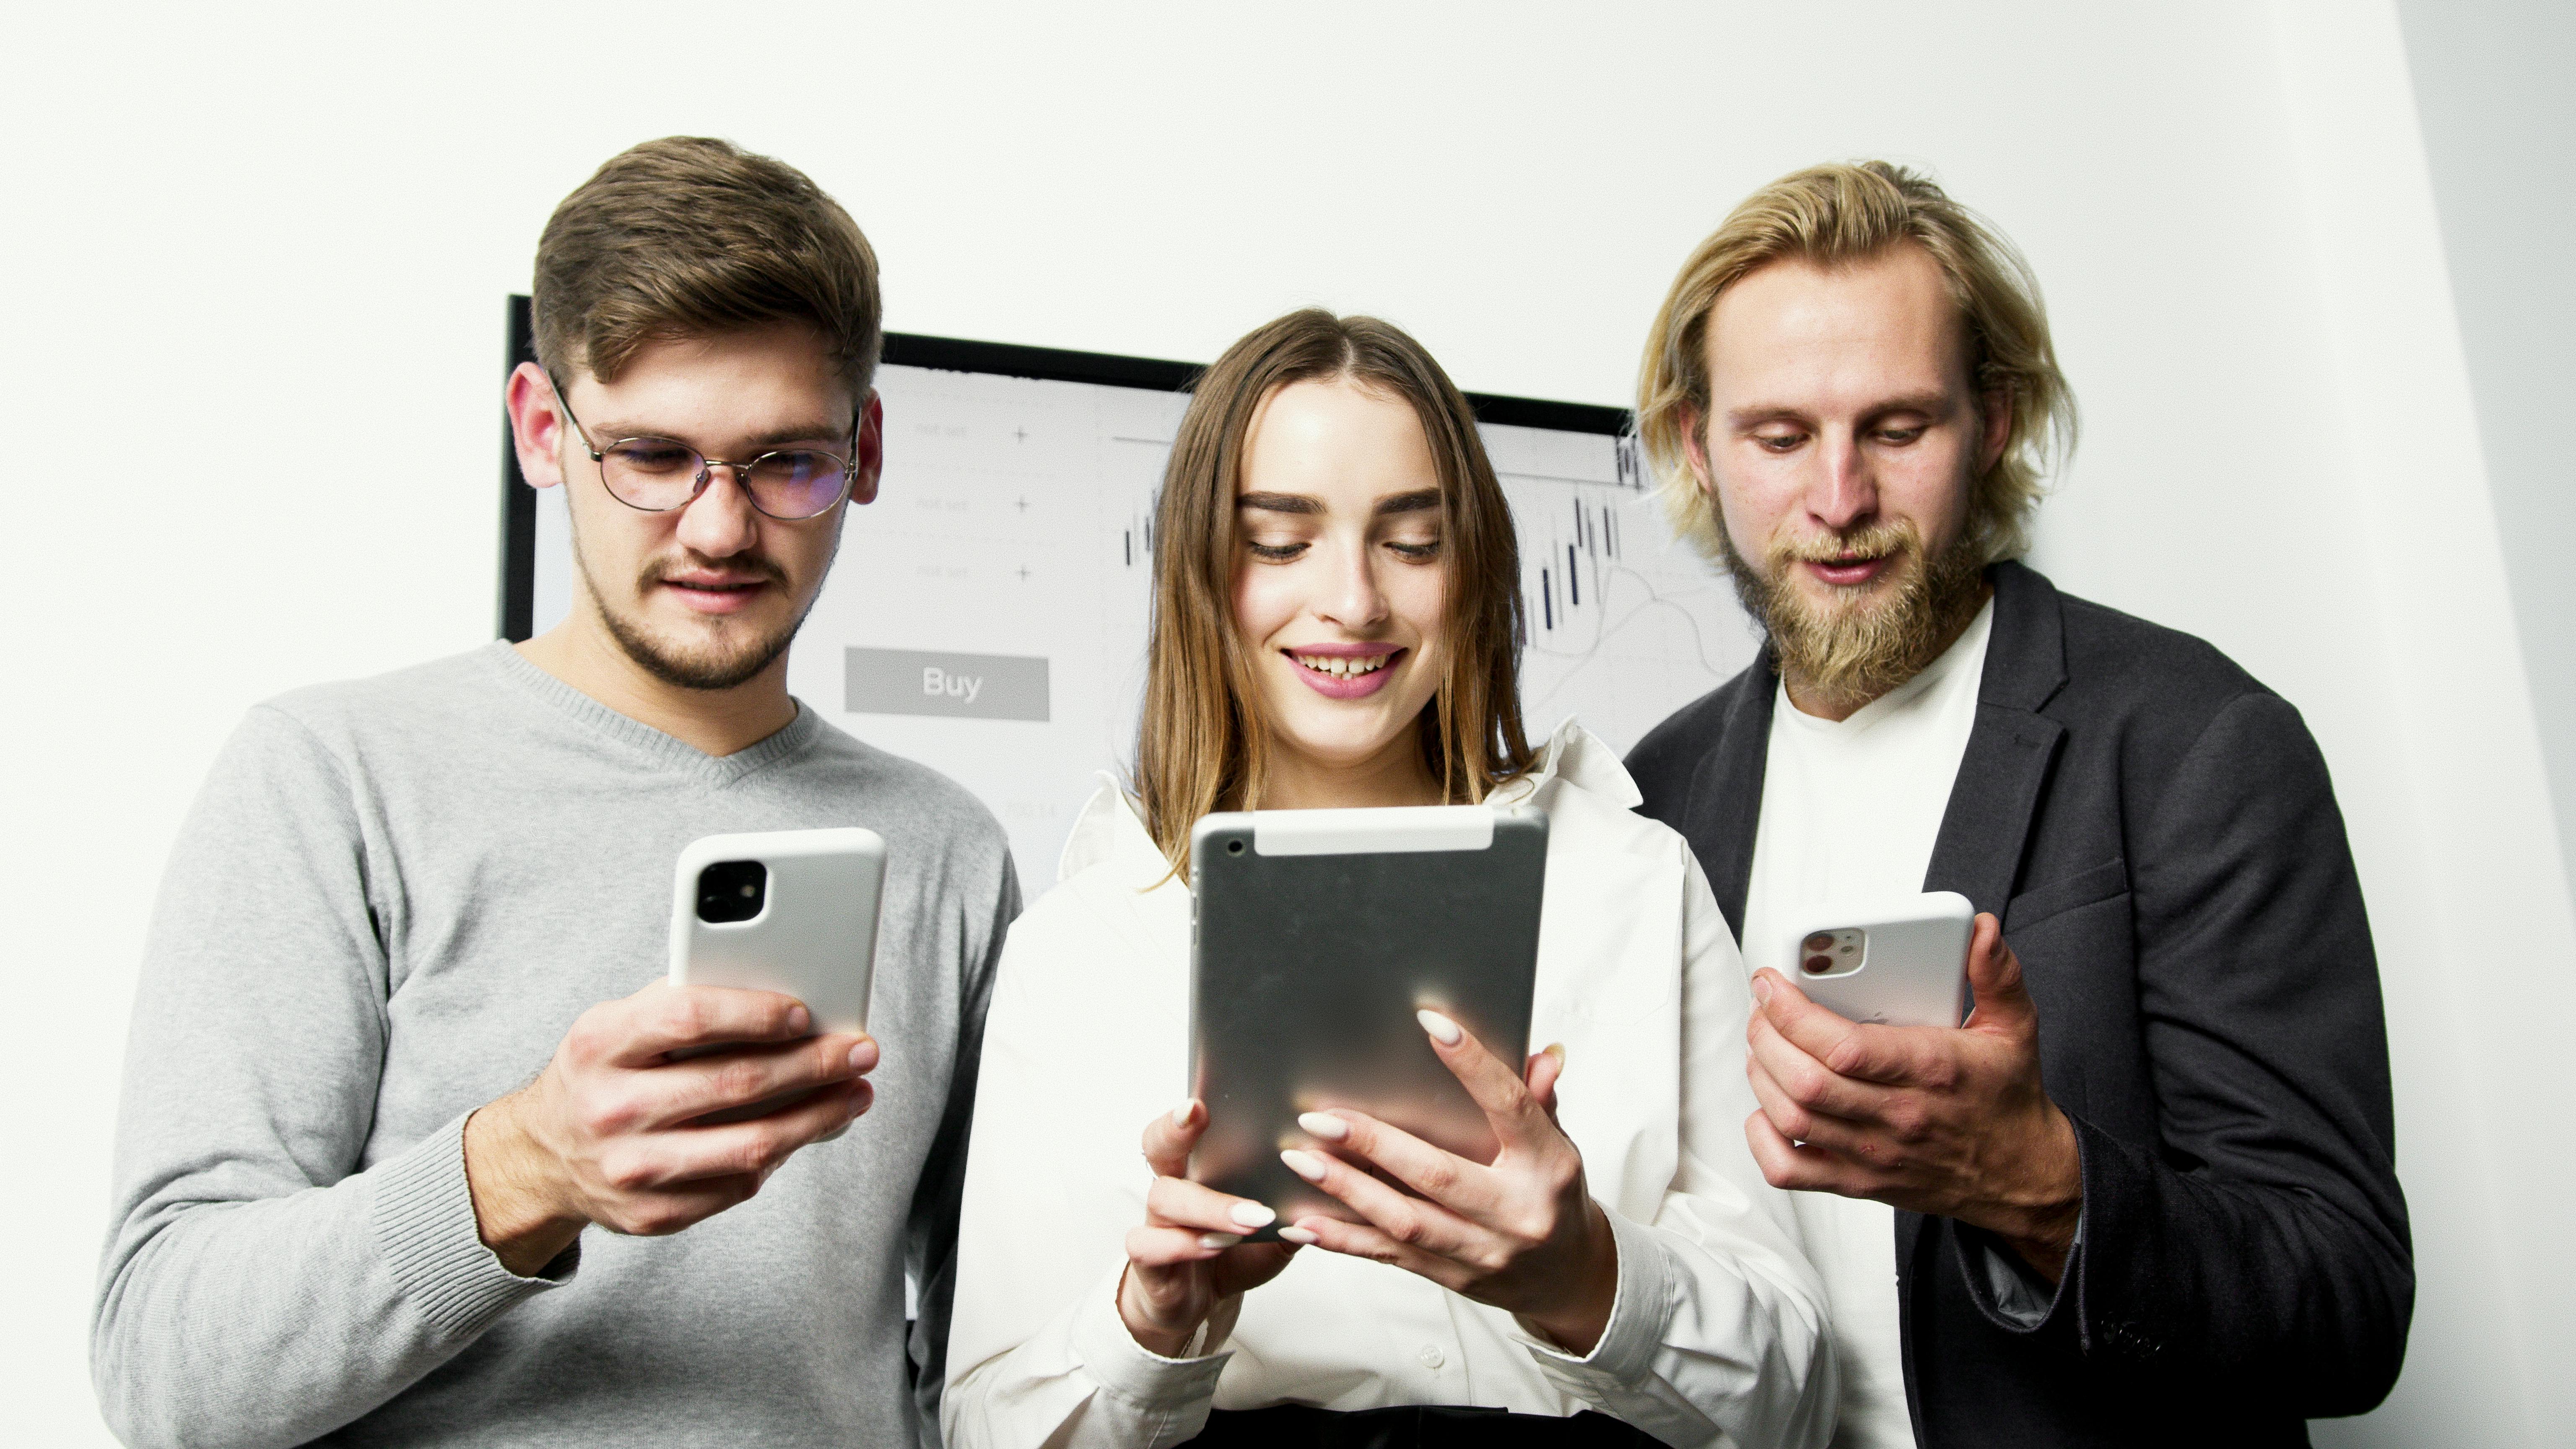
[(400, 1037)]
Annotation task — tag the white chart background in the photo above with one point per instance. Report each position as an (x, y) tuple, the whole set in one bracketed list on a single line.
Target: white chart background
[(1014, 520)]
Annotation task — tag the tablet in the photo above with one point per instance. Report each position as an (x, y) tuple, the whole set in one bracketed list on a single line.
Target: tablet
[(1318, 935)]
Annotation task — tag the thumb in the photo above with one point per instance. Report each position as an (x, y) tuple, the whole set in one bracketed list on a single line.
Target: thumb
[(1994, 977), (1171, 1135), (1545, 1067)]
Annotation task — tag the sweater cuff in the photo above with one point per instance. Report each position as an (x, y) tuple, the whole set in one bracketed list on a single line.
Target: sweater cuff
[(1172, 1392), (423, 1218), (1635, 1332)]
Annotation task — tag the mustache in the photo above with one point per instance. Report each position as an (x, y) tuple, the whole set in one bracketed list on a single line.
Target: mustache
[(759, 564), (1868, 541)]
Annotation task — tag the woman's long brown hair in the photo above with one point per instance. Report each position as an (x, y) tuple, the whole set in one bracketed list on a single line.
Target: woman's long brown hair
[(1202, 745)]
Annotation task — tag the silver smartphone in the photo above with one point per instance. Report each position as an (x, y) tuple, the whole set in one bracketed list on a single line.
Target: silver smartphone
[(791, 911), (1903, 963), (1318, 935)]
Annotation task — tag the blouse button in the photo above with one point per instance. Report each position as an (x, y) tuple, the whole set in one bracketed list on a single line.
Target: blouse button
[(1431, 1357)]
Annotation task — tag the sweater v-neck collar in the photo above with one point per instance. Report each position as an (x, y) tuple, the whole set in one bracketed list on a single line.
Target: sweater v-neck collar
[(666, 751)]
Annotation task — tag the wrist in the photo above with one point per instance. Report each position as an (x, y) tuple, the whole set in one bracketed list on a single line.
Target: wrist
[(1576, 1325), (2041, 1227), (1151, 1333), (517, 1210)]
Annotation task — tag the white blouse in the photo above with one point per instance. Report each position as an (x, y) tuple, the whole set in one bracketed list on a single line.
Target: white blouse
[(1716, 1335)]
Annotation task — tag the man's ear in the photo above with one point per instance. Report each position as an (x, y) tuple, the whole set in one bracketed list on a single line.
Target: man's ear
[(869, 463), (536, 425), (1995, 420), (1695, 448)]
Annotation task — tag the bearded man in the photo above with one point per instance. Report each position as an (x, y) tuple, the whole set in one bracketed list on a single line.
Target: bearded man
[(2144, 1193)]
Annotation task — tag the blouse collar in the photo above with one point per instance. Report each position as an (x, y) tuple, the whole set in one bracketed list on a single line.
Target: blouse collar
[(1110, 829)]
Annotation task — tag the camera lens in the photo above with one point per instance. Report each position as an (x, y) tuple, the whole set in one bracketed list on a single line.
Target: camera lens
[(1819, 965), (1234, 847), (1821, 941), (732, 890)]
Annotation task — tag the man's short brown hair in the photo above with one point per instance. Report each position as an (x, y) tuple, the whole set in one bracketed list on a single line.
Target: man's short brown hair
[(1835, 215), (693, 237)]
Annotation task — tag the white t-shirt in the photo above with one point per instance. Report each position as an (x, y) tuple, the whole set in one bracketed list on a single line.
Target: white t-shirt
[(1850, 811)]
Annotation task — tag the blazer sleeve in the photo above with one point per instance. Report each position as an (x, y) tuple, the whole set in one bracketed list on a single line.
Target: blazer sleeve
[(2263, 1240)]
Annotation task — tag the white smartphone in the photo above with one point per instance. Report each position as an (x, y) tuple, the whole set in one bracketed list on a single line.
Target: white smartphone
[(793, 911), (1904, 964)]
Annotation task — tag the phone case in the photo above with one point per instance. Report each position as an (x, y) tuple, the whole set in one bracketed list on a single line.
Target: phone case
[(814, 936), (1318, 934), (1904, 964)]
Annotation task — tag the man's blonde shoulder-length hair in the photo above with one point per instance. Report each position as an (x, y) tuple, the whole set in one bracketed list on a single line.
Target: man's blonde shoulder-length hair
[(1202, 745), (1835, 215)]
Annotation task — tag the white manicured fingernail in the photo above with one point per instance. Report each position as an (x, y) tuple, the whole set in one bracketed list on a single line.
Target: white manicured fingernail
[(1181, 1113), (1252, 1215), (1219, 1240), (1299, 1236), (1442, 1029), (1331, 1129), (1305, 1164)]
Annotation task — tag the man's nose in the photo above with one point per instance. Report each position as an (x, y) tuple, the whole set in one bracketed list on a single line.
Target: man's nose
[(1845, 491), (720, 521)]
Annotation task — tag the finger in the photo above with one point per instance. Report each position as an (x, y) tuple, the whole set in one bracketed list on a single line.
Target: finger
[(1426, 1226), (1995, 981), (1366, 1240), (744, 1076), (1806, 1081), (1797, 1122), (1169, 1138), (1546, 1068), (1150, 1246), (1463, 1187), (1517, 1118), (753, 1147), (1178, 1202), (661, 1213), (663, 1018), (1791, 1167), (1893, 1055)]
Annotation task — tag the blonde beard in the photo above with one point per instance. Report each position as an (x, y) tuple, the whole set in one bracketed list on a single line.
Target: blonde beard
[(1877, 637)]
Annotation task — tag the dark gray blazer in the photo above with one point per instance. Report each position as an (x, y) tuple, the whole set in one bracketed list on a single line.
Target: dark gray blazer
[(2157, 832)]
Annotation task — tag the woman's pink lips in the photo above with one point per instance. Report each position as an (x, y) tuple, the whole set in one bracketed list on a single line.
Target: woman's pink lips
[(1336, 686), (1845, 573)]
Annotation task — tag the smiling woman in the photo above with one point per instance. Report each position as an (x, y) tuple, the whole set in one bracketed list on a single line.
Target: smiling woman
[(1337, 625), (1328, 444)]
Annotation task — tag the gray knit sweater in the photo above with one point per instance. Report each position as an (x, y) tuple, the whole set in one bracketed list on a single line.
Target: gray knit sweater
[(390, 902)]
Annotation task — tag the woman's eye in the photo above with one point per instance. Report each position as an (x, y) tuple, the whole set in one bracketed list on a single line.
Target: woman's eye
[(1274, 552), (1422, 552)]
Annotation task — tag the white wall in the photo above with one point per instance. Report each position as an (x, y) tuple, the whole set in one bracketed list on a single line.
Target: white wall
[(252, 299)]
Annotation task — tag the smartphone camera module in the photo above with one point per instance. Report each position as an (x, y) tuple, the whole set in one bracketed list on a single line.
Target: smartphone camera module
[(1833, 953), (732, 890)]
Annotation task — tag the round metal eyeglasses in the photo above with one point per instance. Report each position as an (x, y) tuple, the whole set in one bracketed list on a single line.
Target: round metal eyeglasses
[(656, 475)]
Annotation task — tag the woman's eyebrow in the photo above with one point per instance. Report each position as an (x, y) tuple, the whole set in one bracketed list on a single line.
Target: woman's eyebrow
[(1414, 502), (1279, 502)]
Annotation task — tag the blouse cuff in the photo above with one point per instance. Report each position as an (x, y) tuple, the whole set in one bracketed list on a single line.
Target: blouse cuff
[(1635, 1332), (1166, 1388)]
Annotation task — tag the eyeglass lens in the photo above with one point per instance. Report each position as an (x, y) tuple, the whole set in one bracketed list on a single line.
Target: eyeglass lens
[(657, 474)]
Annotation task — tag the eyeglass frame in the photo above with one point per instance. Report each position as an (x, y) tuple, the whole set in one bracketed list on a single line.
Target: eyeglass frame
[(707, 466)]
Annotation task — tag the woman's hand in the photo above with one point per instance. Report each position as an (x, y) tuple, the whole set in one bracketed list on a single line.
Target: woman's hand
[(1523, 1234), (1189, 1262)]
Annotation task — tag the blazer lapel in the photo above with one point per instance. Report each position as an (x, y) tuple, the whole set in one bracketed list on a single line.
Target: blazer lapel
[(1725, 808), (2005, 769)]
